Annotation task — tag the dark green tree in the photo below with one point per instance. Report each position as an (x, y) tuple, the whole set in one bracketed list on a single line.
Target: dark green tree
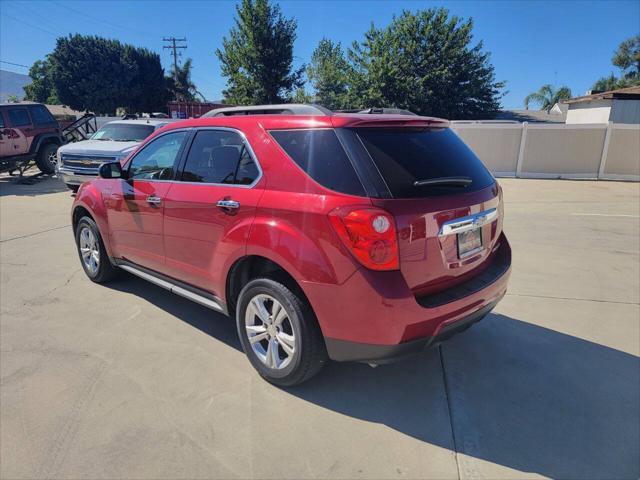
[(329, 74), (257, 56), (547, 97), (41, 89), (147, 90), (92, 73), (627, 59), (425, 62)]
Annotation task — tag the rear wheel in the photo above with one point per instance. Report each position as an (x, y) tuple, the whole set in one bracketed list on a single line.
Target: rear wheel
[(46, 158), (92, 253), (279, 333)]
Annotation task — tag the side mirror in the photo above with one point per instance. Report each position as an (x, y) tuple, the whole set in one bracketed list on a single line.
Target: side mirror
[(110, 170)]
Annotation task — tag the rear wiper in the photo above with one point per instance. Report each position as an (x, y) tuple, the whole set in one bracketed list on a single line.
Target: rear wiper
[(452, 181)]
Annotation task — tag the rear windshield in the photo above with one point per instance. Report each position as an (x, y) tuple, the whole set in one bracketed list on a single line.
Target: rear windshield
[(123, 132), (320, 154), (406, 156)]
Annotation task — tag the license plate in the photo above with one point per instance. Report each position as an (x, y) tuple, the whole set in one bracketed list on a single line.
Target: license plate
[(469, 242)]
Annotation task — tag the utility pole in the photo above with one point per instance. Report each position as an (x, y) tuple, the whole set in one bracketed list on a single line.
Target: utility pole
[(174, 45)]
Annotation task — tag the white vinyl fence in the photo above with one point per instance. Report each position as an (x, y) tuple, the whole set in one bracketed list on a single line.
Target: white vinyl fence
[(533, 150)]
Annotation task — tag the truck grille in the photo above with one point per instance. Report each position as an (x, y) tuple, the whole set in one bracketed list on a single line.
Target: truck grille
[(84, 161)]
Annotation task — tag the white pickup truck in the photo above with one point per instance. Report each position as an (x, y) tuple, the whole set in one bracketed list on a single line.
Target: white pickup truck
[(80, 161)]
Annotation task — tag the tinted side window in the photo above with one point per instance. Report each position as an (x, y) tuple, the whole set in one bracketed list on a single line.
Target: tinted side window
[(41, 116), (406, 156), (320, 154), (19, 117), (219, 156), (156, 161), (1, 120)]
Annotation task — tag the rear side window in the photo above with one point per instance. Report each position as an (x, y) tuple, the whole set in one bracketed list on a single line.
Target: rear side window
[(19, 117), (41, 116), (405, 156), (219, 156), (320, 154)]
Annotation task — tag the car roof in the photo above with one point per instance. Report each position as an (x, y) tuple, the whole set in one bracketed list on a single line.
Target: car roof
[(142, 121), (335, 120)]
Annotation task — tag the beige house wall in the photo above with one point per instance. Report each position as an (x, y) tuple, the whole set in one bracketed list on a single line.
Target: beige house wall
[(595, 111)]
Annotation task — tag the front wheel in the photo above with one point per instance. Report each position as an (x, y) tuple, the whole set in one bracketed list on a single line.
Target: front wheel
[(47, 158), (279, 333), (93, 256)]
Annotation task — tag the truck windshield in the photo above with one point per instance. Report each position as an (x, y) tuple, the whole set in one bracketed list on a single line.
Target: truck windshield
[(424, 162), (123, 132)]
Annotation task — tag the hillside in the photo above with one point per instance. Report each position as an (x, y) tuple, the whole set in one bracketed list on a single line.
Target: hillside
[(11, 83)]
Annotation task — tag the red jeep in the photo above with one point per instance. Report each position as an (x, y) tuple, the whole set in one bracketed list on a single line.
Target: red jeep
[(28, 131), (326, 235)]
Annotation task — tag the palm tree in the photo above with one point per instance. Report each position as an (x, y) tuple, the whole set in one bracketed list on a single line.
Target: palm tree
[(184, 89), (547, 97)]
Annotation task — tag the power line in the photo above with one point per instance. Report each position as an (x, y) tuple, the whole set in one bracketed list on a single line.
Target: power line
[(104, 22), (30, 25), (16, 64)]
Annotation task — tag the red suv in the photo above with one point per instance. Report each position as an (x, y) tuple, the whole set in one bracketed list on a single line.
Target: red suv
[(345, 236)]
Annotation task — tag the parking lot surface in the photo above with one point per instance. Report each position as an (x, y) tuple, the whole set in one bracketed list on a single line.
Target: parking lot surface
[(126, 380)]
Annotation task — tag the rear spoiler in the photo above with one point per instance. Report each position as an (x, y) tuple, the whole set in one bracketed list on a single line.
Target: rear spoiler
[(402, 122)]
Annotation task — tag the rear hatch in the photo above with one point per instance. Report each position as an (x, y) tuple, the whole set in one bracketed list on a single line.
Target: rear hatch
[(446, 204)]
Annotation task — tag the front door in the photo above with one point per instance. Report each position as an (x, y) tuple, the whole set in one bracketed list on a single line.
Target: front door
[(210, 208), (136, 205)]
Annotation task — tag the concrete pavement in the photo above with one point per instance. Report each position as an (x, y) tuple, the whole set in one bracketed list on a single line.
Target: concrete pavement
[(129, 381)]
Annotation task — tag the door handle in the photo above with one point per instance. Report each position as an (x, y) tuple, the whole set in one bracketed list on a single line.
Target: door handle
[(228, 204), (153, 200)]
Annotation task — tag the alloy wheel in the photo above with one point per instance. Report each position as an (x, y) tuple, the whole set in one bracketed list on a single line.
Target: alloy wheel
[(270, 332), (90, 250)]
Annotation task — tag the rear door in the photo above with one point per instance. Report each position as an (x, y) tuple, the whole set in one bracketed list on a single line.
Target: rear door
[(210, 207), (135, 206), (445, 202), (20, 131)]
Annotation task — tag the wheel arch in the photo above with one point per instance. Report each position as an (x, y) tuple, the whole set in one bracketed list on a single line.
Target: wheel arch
[(44, 139), (89, 202), (248, 267)]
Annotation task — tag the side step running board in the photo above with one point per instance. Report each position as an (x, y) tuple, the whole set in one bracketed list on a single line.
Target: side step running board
[(183, 292)]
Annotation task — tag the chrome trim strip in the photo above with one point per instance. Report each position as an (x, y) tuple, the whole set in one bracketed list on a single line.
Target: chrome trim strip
[(469, 222), (207, 302)]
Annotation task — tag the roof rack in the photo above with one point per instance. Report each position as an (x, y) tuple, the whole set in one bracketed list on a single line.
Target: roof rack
[(378, 111), (283, 109)]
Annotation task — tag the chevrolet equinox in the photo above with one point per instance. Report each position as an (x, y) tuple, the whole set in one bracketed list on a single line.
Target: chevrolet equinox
[(346, 236)]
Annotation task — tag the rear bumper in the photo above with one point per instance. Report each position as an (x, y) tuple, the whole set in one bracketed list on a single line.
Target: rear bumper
[(374, 316), (73, 177), (345, 351)]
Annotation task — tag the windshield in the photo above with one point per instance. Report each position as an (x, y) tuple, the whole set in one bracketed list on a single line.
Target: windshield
[(123, 132), (424, 162)]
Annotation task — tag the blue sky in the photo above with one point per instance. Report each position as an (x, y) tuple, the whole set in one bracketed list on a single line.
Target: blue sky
[(531, 42)]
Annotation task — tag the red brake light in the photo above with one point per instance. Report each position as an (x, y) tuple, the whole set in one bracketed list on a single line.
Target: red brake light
[(370, 235)]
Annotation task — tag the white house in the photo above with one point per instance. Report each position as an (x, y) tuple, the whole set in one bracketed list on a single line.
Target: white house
[(618, 106)]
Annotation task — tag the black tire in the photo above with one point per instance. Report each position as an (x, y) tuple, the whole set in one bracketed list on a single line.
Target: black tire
[(45, 160), (310, 353), (73, 188), (105, 271)]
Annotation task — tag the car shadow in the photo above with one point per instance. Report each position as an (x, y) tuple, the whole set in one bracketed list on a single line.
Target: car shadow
[(522, 396), (31, 184)]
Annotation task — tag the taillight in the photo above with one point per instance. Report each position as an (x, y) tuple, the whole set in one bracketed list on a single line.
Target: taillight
[(370, 234)]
